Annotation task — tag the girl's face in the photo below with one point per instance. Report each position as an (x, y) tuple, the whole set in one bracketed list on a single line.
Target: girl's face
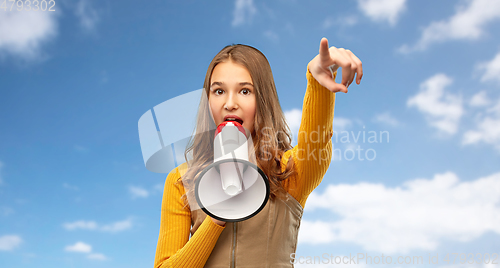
[(232, 95)]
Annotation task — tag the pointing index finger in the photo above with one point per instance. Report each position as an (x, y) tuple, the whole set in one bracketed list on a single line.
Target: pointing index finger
[(324, 52)]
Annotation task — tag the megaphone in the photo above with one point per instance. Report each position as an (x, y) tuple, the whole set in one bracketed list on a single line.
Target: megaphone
[(231, 189)]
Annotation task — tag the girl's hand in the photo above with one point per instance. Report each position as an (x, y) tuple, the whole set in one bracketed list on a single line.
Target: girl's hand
[(221, 223), (329, 60)]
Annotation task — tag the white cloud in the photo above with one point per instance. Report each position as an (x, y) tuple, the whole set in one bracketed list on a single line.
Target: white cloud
[(442, 109), (382, 10), (9, 242), (93, 226), (309, 231), (495, 110), (244, 10), (87, 15), (490, 69), (341, 124), (466, 24), (79, 247), (117, 226), (340, 21), (23, 33), (479, 100), (97, 256), (85, 225), (138, 192), (82, 247), (417, 215), (293, 118), (487, 129), (386, 118)]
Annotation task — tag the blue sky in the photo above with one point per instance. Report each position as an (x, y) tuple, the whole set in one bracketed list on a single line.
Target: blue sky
[(74, 191)]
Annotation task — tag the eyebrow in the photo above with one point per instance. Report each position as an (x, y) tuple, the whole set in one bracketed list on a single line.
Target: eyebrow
[(241, 84)]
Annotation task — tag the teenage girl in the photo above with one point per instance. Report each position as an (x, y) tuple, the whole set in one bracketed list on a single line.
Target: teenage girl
[(239, 84)]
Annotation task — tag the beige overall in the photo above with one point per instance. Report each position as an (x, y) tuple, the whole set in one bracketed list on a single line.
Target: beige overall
[(266, 240)]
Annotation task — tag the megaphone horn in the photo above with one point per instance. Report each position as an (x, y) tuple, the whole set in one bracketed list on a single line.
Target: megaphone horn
[(232, 188)]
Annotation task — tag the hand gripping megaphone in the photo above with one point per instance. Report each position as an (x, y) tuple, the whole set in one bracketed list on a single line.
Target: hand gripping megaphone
[(231, 189)]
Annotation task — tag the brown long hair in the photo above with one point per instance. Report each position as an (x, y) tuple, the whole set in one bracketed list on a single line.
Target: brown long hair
[(271, 137)]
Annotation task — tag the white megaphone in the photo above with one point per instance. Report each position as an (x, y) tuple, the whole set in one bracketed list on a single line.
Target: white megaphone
[(231, 189)]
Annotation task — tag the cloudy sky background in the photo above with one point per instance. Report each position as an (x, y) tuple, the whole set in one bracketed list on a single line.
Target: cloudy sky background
[(416, 168)]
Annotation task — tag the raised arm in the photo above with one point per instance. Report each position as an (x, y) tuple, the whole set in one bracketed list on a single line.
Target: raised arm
[(313, 152)]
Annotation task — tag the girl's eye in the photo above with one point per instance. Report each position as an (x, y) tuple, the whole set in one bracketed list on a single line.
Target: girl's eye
[(245, 91), (218, 91)]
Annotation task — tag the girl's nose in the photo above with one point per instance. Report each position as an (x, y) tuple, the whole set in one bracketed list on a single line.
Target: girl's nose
[(231, 103)]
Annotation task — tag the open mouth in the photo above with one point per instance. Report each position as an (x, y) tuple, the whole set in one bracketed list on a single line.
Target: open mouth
[(230, 119)]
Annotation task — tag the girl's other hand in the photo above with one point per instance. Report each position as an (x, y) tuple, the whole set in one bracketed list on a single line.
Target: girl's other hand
[(221, 223), (329, 60)]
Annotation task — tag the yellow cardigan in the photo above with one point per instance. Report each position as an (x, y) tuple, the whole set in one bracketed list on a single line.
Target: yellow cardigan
[(311, 155)]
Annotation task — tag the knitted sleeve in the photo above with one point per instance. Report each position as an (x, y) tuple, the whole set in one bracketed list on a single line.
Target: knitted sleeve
[(313, 152), (174, 248)]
